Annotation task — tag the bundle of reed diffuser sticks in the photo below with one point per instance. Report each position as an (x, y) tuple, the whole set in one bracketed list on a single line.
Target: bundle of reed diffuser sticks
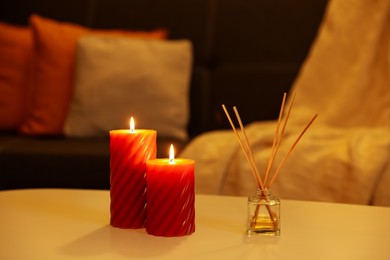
[(264, 183)]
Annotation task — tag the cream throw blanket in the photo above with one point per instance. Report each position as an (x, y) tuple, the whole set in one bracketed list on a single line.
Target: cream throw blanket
[(345, 155)]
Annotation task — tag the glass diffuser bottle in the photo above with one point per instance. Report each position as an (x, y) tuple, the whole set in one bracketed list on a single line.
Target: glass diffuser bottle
[(263, 214)]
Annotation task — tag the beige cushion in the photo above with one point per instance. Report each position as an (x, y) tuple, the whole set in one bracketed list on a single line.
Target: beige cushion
[(118, 77)]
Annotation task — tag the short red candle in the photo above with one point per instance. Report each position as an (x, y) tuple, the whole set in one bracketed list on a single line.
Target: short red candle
[(170, 194), (129, 151)]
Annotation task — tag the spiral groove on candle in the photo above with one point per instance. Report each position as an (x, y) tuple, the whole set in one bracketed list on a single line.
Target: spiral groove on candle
[(171, 205), (127, 178)]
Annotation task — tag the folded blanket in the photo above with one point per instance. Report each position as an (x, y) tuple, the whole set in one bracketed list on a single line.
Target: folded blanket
[(345, 155)]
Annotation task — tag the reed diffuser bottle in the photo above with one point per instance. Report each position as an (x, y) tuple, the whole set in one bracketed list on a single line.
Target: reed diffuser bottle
[(264, 209), (263, 214)]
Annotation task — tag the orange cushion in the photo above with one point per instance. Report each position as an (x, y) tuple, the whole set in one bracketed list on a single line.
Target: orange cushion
[(52, 77), (15, 57)]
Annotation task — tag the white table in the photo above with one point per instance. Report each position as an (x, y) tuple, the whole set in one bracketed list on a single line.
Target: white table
[(73, 224)]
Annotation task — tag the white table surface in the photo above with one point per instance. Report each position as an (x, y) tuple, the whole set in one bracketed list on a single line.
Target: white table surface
[(74, 224)]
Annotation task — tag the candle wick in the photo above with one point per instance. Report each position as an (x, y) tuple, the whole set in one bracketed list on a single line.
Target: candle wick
[(171, 160)]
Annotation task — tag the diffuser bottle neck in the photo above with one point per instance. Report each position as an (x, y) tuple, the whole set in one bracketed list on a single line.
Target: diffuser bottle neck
[(264, 193)]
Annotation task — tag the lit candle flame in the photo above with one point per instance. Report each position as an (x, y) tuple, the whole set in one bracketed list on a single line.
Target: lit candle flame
[(131, 125), (171, 154)]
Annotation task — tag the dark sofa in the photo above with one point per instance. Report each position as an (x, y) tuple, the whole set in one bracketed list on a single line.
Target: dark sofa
[(246, 53)]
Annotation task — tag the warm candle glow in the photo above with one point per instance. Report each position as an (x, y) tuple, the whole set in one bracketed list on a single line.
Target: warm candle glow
[(131, 125), (171, 154)]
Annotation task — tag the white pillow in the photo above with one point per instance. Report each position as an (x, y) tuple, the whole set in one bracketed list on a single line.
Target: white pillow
[(118, 77)]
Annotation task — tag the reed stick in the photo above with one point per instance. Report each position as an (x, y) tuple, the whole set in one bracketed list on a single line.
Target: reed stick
[(290, 151), (248, 146), (279, 138), (253, 167), (275, 140)]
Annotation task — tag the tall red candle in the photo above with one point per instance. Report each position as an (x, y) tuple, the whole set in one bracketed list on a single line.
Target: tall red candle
[(170, 194), (129, 151)]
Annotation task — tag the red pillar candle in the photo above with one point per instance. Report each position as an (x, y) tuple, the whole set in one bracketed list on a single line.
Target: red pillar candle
[(129, 151), (170, 195)]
